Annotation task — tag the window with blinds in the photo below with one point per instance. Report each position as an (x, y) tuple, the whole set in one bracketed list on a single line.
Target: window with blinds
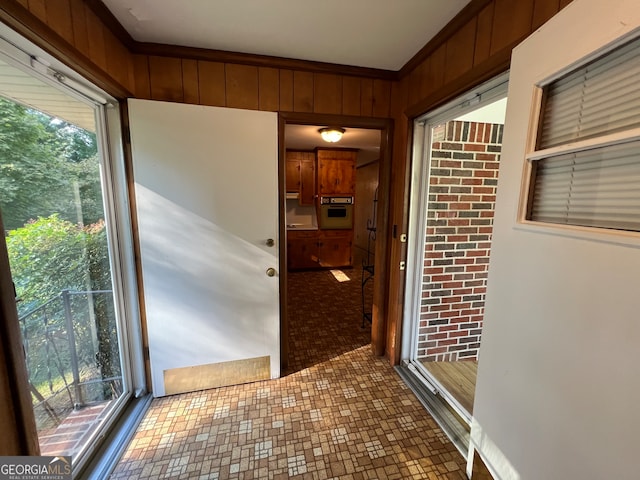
[(586, 165)]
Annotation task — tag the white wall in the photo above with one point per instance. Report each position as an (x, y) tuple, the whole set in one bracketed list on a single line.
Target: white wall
[(558, 384)]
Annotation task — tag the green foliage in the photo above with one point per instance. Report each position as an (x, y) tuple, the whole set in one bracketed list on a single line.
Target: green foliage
[(51, 202), (51, 255), (47, 256), (46, 166)]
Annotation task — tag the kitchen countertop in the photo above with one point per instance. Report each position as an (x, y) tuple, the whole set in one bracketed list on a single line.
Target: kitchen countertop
[(301, 226)]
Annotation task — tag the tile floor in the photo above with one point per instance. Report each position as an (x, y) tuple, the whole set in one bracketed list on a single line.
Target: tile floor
[(337, 413)]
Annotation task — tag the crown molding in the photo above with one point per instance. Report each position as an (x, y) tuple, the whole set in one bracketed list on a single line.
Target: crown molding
[(111, 22), (193, 53), (163, 50)]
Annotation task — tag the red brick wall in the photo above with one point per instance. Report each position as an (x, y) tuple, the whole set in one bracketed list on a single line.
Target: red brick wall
[(462, 193)]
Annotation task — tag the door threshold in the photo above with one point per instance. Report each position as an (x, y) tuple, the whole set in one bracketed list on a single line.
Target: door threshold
[(105, 459), (437, 406)]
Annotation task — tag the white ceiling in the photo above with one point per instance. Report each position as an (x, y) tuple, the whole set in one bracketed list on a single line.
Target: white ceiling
[(381, 34)]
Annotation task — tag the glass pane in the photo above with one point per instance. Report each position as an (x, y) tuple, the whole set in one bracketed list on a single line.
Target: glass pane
[(599, 98), (591, 188), (463, 158), (56, 236)]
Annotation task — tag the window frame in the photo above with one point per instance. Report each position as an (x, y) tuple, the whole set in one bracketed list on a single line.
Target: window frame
[(533, 155), (24, 55)]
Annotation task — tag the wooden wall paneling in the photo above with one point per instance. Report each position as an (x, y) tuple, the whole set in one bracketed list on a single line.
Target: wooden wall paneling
[(483, 34), (414, 81), (327, 93), (25, 23), (366, 97), (211, 83), (97, 51), (24, 3), (543, 10), (117, 59), (39, 9), (79, 26), (511, 22), (381, 98), (465, 15), (132, 76), (165, 75), (268, 89), (242, 86), (436, 68), (351, 101), (59, 18), (460, 51), (302, 91), (286, 90), (398, 217), (564, 3), (142, 85), (424, 87), (384, 320), (190, 81)]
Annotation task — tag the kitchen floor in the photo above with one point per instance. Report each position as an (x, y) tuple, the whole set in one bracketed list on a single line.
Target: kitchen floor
[(338, 412)]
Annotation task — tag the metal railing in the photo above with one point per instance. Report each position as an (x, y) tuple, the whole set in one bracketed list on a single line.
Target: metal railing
[(62, 350)]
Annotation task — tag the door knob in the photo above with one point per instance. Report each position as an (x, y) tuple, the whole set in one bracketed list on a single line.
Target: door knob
[(270, 242), (271, 272)]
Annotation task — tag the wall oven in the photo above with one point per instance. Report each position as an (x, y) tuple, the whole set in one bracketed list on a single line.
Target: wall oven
[(335, 213)]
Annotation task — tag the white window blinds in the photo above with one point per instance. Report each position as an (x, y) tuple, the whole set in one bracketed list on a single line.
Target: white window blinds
[(597, 188), (582, 174), (599, 98)]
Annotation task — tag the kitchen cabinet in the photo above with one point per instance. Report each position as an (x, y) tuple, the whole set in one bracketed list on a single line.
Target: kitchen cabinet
[(292, 178), (335, 248), (336, 172), (302, 249), (301, 175), (319, 248), (307, 182)]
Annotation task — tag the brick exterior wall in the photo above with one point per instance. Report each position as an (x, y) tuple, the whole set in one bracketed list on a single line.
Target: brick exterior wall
[(462, 194)]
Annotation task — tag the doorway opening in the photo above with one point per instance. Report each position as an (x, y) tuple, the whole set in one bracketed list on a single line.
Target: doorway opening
[(331, 211), (455, 175)]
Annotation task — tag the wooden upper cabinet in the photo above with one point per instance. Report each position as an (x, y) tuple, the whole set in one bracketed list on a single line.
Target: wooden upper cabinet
[(301, 175), (308, 180), (292, 179), (336, 172)]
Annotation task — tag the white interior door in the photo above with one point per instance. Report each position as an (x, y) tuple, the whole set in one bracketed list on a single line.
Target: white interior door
[(206, 187), (561, 336)]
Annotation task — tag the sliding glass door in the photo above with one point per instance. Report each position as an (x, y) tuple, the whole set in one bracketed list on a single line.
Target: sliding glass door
[(66, 230), (455, 176)]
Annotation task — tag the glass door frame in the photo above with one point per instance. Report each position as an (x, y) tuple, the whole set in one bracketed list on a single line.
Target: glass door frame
[(478, 97), (24, 55)]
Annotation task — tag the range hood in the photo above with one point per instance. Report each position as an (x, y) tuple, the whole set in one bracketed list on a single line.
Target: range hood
[(292, 195)]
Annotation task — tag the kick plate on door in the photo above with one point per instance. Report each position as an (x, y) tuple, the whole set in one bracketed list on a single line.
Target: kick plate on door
[(214, 375)]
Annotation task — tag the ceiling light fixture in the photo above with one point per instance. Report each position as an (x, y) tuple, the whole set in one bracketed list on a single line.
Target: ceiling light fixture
[(331, 134)]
